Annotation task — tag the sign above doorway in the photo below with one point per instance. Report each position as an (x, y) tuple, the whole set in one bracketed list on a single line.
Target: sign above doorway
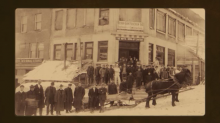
[(132, 26), (129, 39)]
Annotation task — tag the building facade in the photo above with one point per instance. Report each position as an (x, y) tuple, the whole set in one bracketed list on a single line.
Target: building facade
[(32, 32)]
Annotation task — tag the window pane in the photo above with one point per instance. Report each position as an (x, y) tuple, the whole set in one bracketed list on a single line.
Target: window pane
[(89, 45), (161, 21), (38, 25), (71, 18), (24, 28), (172, 27), (69, 46), (103, 43), (171, 57), (59, 20), (151, 18), (181, 30), (33, 54), (89, 53), (161, 54), (80, 17), (57, 55), (188, 30), (103, 51), (38, 17), (33, 46), (104, 17)]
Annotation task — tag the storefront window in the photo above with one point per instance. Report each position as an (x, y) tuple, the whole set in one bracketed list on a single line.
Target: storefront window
[(89, 50), (103, 16), (40, 50), (171, 57), (57, 51), (150, 56), (161, 55), (69, 51), (102, 50)]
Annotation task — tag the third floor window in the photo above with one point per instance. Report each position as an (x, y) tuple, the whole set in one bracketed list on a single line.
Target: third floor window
[(161, 21), (103, 16), (59, 20), (38, 22), (24, 24)]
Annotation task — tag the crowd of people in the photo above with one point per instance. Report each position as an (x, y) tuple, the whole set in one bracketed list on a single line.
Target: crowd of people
[(123, 73)]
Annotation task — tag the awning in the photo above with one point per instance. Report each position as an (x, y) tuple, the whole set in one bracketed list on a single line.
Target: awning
[(53, 71)]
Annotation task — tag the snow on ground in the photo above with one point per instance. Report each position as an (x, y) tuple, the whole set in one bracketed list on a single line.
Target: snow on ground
[(192, 102)]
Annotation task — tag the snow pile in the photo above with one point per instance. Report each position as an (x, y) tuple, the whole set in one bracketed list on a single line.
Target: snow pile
[(53, 71)]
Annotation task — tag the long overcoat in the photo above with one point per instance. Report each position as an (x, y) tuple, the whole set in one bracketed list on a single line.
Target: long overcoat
[(93, 97), (30, 110), (20, 103), (111, 73), (60, 99), (102, 95), (130, 81), (78, 96), (50, 94), (90, 71), (112, 88), (40, 95), (69, 98)]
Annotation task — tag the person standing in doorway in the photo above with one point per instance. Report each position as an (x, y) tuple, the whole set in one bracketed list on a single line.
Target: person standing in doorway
[(117, 74), (60, 99), (69, 98), (40, 96), (50, 94), (78, 96), (20, 98), (97, 75)]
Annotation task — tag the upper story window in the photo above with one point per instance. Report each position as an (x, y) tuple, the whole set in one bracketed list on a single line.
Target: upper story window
[(161, 21), (151, 18), (59, 20), (188, 30), (103, 16), (102, 50), (38, 21), (172, 26), (40, 50), (24, 24), (181, 30), (80, 17), (71, 18), (132, 15)]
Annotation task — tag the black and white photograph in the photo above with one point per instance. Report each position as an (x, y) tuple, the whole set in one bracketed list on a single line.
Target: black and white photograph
[(110, 62)]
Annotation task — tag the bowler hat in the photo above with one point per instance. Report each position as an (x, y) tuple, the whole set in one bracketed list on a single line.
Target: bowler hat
[(70, 84), (31, 86), (61, 85), (52, 83)]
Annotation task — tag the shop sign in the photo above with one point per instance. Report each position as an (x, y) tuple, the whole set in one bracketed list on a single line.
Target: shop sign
[(129, 39), (132, 26), (29, 60)]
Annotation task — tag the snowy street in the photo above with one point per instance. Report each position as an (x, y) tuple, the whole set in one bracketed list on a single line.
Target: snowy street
[(192, 102)]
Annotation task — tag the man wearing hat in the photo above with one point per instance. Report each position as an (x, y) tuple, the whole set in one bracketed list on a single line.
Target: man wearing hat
[(102, 97), (50, 94), (20, 97), (90, 73), (97, 75), (40, 96), (107, 78), (60, 99), (93, 97), (69, 98), (31, 108), (111, 73), (78, 96), (102, 72)]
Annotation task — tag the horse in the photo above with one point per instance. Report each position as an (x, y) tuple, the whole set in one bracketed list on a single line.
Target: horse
[(172, 86)]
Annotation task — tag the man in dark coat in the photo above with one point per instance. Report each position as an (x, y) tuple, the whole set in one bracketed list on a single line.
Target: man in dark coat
[(155, 75), (97, 75), (132, 69), (144, 72), (31, 106), (69, 98), (134, 62), (148, 78), (102, 97), (60, 99), (120, 63), (102, 73), (123, 86), (50, 94), (40, 96), (78, 96), (128, 69), (130, 80), (111, 73), (20, 98), (112, 88), (90, 73), (93, 97), (139, 77), (107, 75)]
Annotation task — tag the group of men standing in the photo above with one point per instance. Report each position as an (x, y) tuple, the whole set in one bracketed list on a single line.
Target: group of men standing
[(27, 103)]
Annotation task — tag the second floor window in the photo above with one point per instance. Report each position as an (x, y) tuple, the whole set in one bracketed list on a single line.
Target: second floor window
[(38, 22), (59, 20), (71, 18), (172, 26), (24, 24), (161, 21), (69, 51), (181, 31), (57, 51), (103, 16), (151, 18), (102, 50), (89, 50)]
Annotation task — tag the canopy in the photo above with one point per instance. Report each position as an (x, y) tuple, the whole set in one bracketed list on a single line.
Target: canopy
[(54, 71)]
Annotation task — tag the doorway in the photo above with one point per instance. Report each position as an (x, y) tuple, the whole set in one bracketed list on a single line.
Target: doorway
[(128, 49)]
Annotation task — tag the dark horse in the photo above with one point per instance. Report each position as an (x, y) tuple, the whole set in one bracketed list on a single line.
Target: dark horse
[(156, 87)]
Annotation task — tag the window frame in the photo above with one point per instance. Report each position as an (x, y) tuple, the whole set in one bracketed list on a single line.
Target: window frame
[(23, 23), (36, 22), (55, 20), (160, 52), (102, 48), (100, 11), (68, 19), (68, 49), (158, 30), (35, 50), (40, 50), (174, 20), (152, 19), (88, 48), (152, 52), (171, 50), (55, 50), (183, 25)]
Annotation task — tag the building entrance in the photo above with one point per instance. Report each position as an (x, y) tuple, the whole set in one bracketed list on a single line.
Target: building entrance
[(128, 49)]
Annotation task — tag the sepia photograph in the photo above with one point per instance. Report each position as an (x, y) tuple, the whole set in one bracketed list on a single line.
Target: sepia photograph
[(109, 62)]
